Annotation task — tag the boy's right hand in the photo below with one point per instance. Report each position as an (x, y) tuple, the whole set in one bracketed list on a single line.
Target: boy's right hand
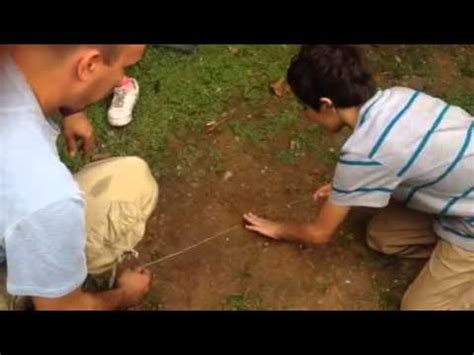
[(135, 284), (323, 192)]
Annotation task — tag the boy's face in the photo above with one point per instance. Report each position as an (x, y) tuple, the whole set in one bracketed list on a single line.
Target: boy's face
[(326, 117)]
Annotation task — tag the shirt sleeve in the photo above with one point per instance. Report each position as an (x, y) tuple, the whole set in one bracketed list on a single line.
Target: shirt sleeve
[(362, 182), (46, 251)]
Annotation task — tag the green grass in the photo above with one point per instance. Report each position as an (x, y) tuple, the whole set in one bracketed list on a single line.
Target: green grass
[(240, 302), (466, 66), (404, 61), (179, 94), (388, 300), (460, 97)]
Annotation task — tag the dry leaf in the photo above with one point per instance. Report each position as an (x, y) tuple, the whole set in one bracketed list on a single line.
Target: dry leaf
[(280, 87)]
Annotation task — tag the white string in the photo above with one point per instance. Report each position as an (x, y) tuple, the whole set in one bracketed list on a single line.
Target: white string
[(221, 233), (192, 246)]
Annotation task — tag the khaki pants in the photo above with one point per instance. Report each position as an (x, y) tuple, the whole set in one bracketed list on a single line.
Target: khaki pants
[(446, 281), (120, 195)]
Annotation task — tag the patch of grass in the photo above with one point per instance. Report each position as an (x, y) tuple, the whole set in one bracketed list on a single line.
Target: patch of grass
[(266, 127), (465, 65), (288, 156), (322, 284), (389, 300), (181, 93), (308, 141), (405, 61), (217, 164), (246, 132), (346, 239), (153, 302), (240, 302), (367, 257), (186, 159), (460, 97), (155, 255)]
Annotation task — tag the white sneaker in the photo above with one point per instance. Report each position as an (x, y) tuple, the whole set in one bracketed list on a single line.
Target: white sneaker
[(121, 108)]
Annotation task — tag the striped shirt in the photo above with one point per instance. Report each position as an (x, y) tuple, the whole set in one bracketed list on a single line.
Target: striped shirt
[(418, 150)]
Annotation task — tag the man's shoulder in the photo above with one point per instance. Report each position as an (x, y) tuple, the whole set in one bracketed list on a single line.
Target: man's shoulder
[(34, 181)]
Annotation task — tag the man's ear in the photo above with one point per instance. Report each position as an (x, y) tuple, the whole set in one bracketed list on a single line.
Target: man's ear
[(88, 64), (326, 103)]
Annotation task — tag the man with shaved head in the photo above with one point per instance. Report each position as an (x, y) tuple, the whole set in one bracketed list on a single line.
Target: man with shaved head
[(55, 228)]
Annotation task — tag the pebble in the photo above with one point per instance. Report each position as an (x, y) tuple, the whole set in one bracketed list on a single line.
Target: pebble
[(228, 175)]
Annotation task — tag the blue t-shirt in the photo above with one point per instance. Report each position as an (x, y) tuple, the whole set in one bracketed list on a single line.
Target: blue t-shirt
[(42, 217)]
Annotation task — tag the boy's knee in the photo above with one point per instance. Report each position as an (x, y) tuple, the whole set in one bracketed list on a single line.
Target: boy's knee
[(379, 239)]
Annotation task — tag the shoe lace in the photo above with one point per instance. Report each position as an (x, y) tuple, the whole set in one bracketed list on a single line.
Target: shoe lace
[(119, 98)]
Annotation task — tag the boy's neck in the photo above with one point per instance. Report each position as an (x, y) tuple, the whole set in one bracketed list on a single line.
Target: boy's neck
[(350, 116)]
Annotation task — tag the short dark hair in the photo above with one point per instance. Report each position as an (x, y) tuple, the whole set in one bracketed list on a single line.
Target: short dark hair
[(333, 71)]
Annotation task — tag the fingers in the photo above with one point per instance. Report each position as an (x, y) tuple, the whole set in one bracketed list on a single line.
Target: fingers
[(253, 219), (323, 192), (71, 145), (253, 228), (142, 270), (89, 145)]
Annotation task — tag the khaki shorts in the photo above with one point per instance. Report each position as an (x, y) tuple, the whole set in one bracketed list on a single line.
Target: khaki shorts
[(120, 195), (446, 281)]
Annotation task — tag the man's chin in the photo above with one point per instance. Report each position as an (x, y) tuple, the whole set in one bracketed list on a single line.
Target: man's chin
[(68, 111)]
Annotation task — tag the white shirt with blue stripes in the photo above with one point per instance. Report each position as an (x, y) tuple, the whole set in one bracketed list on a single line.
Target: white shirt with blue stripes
[(418, 150)]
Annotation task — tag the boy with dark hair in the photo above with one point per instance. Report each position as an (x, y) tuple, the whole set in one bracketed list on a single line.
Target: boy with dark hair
[(411, 154)]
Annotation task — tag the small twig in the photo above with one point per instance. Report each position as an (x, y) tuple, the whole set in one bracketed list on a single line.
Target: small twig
[(218, 123), (306, 199)]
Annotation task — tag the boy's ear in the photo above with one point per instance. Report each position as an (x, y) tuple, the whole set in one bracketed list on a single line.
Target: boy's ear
[(326, 103)]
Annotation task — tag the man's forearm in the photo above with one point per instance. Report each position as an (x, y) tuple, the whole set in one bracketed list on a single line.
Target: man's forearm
[(108, 300), (79, 300)]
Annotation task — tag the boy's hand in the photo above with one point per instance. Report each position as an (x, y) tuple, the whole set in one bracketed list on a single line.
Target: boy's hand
[(323, 192), (78, 126), (263, 226)]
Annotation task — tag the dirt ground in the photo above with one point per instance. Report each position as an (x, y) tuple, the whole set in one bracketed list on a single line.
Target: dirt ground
[(241, 270)]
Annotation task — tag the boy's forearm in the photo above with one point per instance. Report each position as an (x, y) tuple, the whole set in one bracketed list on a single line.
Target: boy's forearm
[(305, 233), (321, 230)]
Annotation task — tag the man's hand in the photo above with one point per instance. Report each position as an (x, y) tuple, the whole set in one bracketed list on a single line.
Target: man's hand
[(264, 226), (78, 127), (323, 192), (134, 284)]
